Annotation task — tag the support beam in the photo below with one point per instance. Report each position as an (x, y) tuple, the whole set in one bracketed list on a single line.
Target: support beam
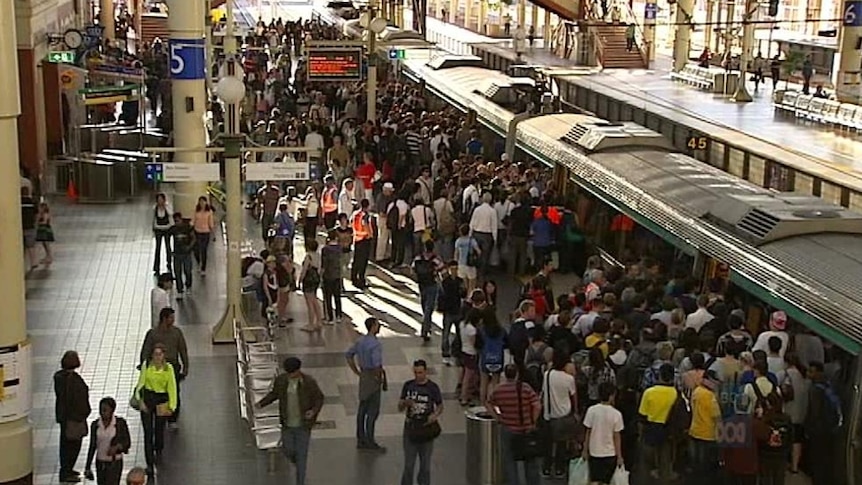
[(848, 80), (682, 37), (742, 95), (16, 434)]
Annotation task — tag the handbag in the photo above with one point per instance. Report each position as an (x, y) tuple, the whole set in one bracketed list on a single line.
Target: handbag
[(529, 444), (163, 411), (134, 401), (565, 428), (76, 430), (422, 432)]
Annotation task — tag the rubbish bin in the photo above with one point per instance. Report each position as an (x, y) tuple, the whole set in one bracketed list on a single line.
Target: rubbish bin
[(483, 448)]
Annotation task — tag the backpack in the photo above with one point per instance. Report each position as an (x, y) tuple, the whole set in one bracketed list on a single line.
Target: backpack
[(425, 270), (246, 264), (776, 426), (679, 420), (392, 216), (491, 354), (447, 225), (833, 410)]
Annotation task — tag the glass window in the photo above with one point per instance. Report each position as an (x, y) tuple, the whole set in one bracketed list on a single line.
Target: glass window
[(716, 154), (779, 177), (756, 169), (830, 192), (736, 162), (625, 112), (804, 183), (667, 129), (680, 139), (592, 102)]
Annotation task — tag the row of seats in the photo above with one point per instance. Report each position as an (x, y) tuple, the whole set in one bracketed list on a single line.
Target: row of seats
[(820, 110), (694, 75), (257, 367)]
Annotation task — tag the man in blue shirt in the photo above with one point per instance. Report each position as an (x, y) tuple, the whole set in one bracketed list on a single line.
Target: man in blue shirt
[(365, 358)]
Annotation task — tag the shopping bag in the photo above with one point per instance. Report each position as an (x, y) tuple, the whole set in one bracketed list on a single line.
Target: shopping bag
[(579, 472), (621, 476)]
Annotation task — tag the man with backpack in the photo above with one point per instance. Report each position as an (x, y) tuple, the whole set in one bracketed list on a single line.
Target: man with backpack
[(822, 424), (426, 267), (771, 426)]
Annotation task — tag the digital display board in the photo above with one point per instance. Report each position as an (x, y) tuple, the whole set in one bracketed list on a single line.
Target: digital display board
[(335, 64)]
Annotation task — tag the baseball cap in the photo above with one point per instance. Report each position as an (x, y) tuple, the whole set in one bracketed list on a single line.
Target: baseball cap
[(388, 186), (778, 320), (292, 364)]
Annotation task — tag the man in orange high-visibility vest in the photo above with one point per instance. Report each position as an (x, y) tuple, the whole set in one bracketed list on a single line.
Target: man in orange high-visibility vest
[(330, 202), (363, 236)]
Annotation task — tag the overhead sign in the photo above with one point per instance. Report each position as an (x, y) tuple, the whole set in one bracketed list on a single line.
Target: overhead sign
[(110, 94), (190, 172), (397, 54), (853, 13), (335, 64), (262, 171), (650, 11), (61, 57), (153, 172), (187, 59), (116, 69)]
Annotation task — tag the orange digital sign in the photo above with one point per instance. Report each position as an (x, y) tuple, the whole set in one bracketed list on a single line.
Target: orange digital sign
[(335, 64)]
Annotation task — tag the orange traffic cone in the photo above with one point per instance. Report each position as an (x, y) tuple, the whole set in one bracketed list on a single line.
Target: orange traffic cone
[(71, 191)]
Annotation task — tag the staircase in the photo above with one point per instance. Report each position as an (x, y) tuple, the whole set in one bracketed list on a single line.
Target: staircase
[(611, 48), (154, 25)]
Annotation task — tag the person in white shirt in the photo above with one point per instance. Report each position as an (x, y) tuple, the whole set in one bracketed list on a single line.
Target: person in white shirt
[(483, 227), (469, 199), (777, 324), (254, 272), (160, 297), (423, 220), (400, 235), (602, 444), (559, 399), (774, 360), (425, 183), (345, 197), (583, 325), (314, 142), (701, 316)]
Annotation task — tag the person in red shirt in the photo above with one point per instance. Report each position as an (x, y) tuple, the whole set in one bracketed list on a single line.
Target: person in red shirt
[(365, 173)]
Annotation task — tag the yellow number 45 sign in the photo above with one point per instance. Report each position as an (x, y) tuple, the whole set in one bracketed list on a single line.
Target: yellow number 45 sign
[(696, 142)]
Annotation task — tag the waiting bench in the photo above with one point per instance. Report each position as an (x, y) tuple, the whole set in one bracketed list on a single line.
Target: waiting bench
[(819, 110), (694, 75)]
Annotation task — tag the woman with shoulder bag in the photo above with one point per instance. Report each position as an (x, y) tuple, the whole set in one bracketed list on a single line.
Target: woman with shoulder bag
[(72, 410), (156, 394), (559, 402), (109, 441), (309, 278)]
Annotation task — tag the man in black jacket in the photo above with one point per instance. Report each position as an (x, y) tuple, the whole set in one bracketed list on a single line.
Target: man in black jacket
[(184, 240), (71, 412)]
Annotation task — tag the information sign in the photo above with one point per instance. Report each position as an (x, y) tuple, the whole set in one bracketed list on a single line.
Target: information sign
[(190, 172), (64, 57), (335, 64), (276, 171), (187, 59), (15, 382), (650, 11), (153, 172)]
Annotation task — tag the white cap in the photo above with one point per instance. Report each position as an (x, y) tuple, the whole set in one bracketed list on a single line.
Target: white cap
[(388, 186), (504, 158)]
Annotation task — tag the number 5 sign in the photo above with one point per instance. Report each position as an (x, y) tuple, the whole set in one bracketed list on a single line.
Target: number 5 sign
[(853, 13), (186, 58)]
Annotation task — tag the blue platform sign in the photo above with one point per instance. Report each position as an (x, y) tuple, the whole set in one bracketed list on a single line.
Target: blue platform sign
[(187, 58), (853, 13), (154, 172), (650, 11)]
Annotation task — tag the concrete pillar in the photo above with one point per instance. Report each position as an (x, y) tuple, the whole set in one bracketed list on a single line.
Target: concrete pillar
[(106, 18), (483, 12), (16, 434), (546, 30), (728, 26), (188, 64), (453, 11), (848, 78), (682, 36), (522, 13), (534, 20), (649, 32), (468, 13), (742, 95), (707, 28), (812, 11)]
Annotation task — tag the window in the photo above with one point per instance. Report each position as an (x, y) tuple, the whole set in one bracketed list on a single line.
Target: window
[(716, 154), (736, 162), (756, 169), (804, 183)]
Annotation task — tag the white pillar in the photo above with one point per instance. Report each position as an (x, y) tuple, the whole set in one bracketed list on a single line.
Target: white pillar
[(453, 11), (682, 36), (649, 31), (707, 28), (848, 78), (187, 57), (468, 12), (546, 30), (16, 434), (742, 95), (106, 17), (522, 13), (483, 11)]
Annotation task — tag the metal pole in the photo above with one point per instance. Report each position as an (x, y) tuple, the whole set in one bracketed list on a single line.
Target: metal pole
[(682, 38), (16, 434), (371, 82), (742, 95)]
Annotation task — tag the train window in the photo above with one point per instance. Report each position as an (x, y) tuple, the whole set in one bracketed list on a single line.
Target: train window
[(756, 170), (804, 183), (716, 154), (652, 122), (856, 201), (779, 177), (639, 116), (736, 162), (831, 193), (667, 128), (625, 112), (602, 110), (592, 102), (614, 110)]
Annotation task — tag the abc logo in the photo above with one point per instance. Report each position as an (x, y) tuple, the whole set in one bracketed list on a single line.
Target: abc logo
[(734, 431)]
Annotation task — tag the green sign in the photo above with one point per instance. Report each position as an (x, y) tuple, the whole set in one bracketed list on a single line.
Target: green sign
[(61, 57)]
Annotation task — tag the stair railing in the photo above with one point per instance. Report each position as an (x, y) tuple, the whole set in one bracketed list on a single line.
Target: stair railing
[(640, 37)]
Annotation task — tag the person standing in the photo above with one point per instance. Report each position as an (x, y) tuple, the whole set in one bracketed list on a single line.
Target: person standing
[(268, 195), (71, 411), (655, 407), (365, 359), (156, 395), (329, 201), (45, 232), (109, 441), (161, 231), (422, 403), (775, 70), (160, 297), (203, 222), (299, 403), (452, 294), (483, 228), (703, 435), (426, 267), (807, 73), (175, 351), (602, 444), (363, 233), (381, 204), (309, 279), (330, 262), (184, 242), (516, 406)]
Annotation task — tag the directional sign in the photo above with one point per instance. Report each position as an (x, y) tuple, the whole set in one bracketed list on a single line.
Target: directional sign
[(650, 11), (154, 172), (187, 59), (61, 57), (396, 54), (853, 13), (190, 172), (277, 171)]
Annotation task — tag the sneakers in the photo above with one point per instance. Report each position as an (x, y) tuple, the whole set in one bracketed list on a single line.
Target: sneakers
[(329, 322), (371, 447)]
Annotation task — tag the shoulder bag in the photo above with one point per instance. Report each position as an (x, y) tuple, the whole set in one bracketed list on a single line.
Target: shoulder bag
[(529, 444), (422, 431), (565, 428)]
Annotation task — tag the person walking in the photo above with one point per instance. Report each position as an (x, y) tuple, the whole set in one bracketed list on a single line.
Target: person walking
[(516, 407), (175, 352), (161, 231), (630, 37), (45, 232), (330, 262), (29, 218), (184, 240), (204, 223), (603, 445), (450, 302), (299, 403), (422, 403), (109, 441), (71, 411), (309, 279), (365, 359), (156, 397), (363, 234), (160, 297), (427, 267)]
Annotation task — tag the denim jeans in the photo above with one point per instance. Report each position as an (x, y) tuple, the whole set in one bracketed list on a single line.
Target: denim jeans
[(411, 452), (449, 320), (183, 271), (166, 237), (294, 444), (202, 249), (510, 466), (428, 295), (366, 418)]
